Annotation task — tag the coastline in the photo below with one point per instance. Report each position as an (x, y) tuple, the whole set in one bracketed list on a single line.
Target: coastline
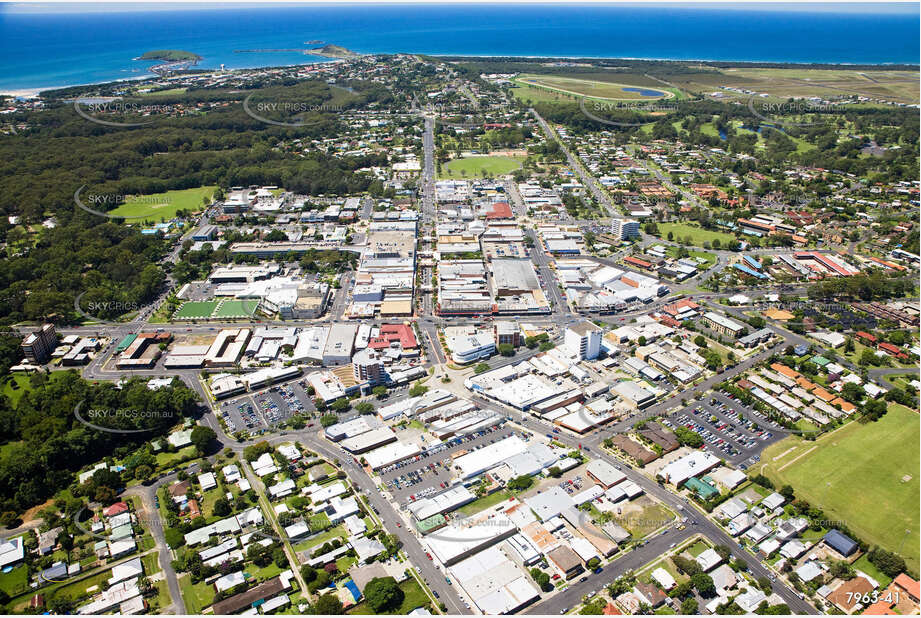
[(34, 91)]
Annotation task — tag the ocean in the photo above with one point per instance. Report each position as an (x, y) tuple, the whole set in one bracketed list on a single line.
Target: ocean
[(52, 49)]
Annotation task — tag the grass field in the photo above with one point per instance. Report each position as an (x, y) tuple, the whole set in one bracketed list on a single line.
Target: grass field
[(236, 309), (16, 581), (163, 205), (195, 310), (650, 519), (698, 235), (162, 93), (595, 88), (474, 167), (530, 94), (709, 257), (413, 596), (196, 596), (22, 384), (863, 474), (900, 86), (485, 502)]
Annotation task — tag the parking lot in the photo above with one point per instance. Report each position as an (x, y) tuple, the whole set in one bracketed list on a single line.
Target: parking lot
[(737, 440), (432, 472), (241, 414), (264, 409)]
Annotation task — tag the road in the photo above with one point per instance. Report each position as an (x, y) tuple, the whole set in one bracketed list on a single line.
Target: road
[(587, 179), (697, 523), (153, 522)]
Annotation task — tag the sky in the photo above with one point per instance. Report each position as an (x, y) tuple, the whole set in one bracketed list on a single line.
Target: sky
[(70, 6)]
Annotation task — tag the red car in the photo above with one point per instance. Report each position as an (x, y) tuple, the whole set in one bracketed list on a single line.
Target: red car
[(429, 555)]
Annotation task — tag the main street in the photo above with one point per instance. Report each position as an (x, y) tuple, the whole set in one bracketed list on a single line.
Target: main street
[(587, 179)]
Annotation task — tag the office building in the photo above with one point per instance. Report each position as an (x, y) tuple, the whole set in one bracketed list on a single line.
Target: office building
[(583, 340)]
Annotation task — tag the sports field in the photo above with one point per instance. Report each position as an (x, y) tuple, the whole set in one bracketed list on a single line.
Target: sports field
[(163, 205), (235, 309), (863, 474), (216, 309), (195, 310), (698, 235), (595, 89), (474, 167)]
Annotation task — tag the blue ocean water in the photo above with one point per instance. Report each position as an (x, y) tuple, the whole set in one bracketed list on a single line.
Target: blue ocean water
[(54, 49)]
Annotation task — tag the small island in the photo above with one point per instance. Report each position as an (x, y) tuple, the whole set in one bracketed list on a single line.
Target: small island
[(332, 51), (170, 55)]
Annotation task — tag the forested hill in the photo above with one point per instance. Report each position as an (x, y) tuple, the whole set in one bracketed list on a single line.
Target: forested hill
[(205, 138), (47, 445)]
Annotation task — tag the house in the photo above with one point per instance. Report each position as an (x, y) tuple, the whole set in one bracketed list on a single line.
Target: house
[(724, 578), (12, 552), (708, 559), (649, 594), (809, 571), (793, 549), (254, 597), (207, 481), (773, 501), (749, 600), (178, 491), (48, 540), (116, 509), (664, 579), (847, 596)]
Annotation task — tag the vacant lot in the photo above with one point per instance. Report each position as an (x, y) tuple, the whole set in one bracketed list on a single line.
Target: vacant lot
[(863, 474), (698, 235), (480, 167), (162, 206)]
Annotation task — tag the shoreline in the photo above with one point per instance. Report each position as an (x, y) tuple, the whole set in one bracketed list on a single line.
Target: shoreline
[(34, 91)]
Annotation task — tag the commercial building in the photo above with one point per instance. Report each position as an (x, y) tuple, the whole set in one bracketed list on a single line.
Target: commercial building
[(583, 340), (695, 464), (367, 367), (566, 560), (494, 583), (339, 344), (38, 345), (455, 542), (470, 348), (227, 347), (507, 333)]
